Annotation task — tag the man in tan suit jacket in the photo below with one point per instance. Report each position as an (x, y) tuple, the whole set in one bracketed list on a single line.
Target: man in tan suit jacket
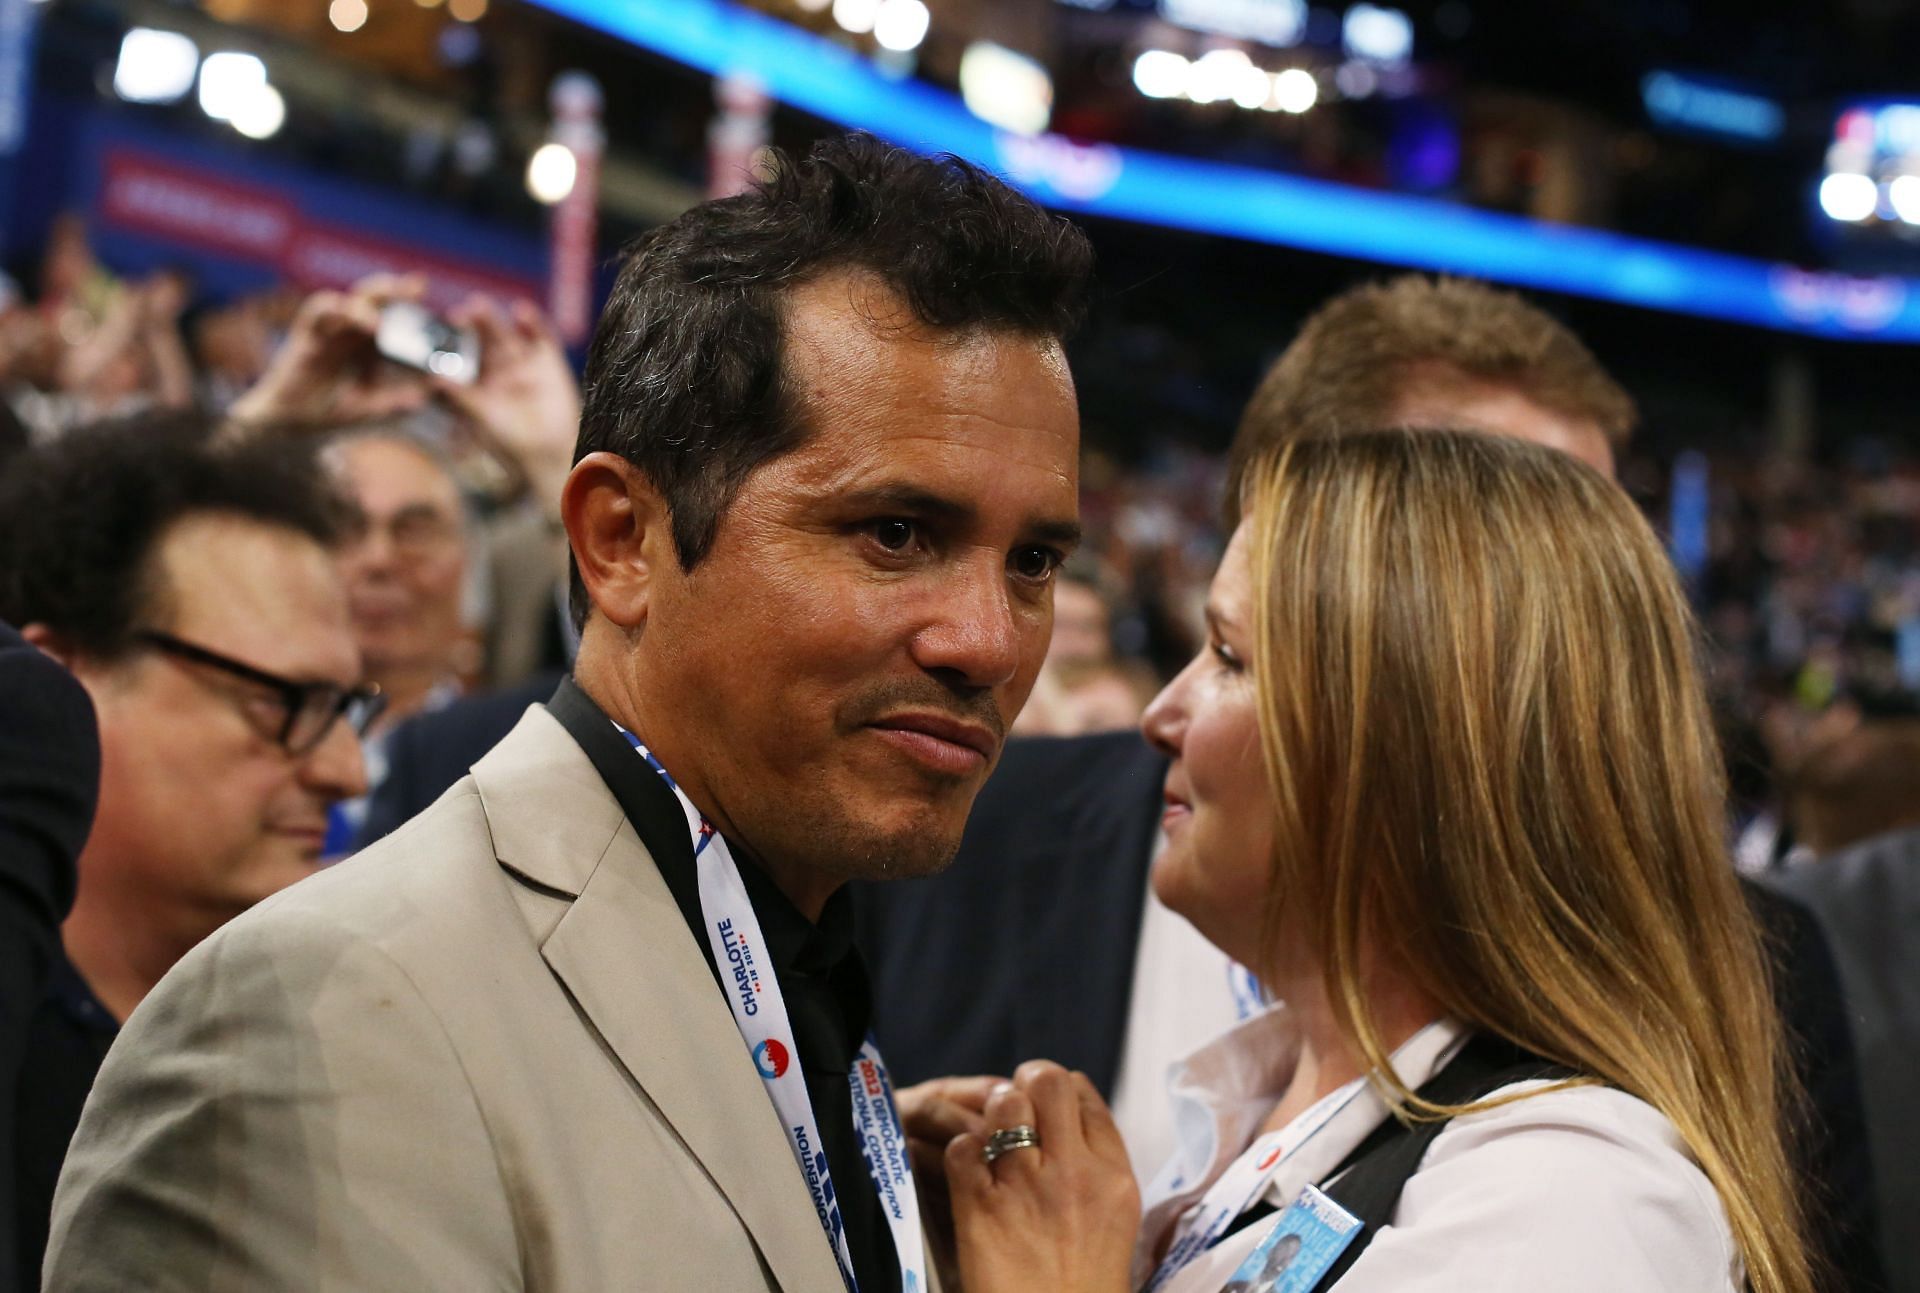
[(827, 467)]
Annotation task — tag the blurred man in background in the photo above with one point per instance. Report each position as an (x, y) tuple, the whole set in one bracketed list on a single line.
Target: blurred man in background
[(1861, 781), (405, 562), (405, 565), (193, 592), (522, 406)]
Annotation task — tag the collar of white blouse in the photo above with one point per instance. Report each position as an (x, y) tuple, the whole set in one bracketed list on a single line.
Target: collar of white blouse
[(1223, 1091)]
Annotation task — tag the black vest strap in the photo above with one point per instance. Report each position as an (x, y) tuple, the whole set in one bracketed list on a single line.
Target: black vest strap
[(1369, 1180)]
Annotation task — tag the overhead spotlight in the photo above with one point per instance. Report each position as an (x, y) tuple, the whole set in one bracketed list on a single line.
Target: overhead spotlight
[(551, 172), (814, 6), (900, 25), (1378, 33), (347, 15), (1904, 195), (1160, 74), (1216, 74), (1849, 196), (228, 80), (467, 10), (1250, 87), (1295, 90), (1006, 89), (856, 16), (1268, 22), (261, 115), (155, 66)]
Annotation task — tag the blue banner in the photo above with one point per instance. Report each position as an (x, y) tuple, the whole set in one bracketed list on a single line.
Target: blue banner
[(840, 85)]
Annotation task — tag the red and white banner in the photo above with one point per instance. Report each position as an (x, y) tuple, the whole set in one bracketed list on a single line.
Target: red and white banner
[(240, 220), (575, 100)]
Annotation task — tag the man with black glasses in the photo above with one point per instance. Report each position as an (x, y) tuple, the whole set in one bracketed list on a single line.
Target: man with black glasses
[(194, 593)]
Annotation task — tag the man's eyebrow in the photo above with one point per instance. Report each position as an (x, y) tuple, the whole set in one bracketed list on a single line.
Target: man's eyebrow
[(1061, 534), (913, 500)]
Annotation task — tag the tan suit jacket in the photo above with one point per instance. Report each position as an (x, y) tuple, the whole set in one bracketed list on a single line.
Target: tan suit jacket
[(484, 1054)]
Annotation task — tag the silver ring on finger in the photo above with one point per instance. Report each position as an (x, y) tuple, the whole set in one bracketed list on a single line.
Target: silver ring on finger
[(1007, 1139)]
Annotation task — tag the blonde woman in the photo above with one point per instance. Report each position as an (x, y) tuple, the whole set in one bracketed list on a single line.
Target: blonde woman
[(1444, 773)]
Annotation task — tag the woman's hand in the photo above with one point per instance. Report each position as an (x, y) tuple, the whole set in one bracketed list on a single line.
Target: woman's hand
[(1062, 1216), (932, 1113)]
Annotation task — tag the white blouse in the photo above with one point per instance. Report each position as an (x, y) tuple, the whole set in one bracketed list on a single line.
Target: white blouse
[(1584, 1190)]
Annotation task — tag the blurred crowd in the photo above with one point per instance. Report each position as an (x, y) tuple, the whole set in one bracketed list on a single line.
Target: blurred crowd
[(445, 474), (1808, 595)]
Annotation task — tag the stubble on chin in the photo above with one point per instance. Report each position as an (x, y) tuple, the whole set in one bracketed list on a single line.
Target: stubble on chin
[(833, 840)]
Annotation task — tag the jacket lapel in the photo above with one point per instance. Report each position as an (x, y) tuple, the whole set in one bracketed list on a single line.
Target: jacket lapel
[(625, 953)]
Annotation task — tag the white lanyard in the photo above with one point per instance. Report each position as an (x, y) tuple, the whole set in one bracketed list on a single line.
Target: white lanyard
[(760, 1012), (1250, 996), (1245, 1179)]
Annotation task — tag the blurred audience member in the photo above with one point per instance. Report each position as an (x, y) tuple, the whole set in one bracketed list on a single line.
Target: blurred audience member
[(193, 592), (405, 566), (1084, 687), (94, 345), (523, 406), (1860, 783), (233, 343), (49, 777), (1449, 352)]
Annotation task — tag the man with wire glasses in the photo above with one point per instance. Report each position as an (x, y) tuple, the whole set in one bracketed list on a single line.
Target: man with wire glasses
[(194, 594)]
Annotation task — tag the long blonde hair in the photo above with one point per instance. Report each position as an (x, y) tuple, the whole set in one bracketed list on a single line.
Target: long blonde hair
[(1492, 765)]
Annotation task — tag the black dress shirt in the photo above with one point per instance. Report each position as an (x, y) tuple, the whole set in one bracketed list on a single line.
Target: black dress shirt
[(820, 973), (68, 1038)]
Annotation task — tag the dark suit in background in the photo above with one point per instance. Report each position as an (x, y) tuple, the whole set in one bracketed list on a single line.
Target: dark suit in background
[(1024, 949), (1867, 898), (429, 752), (49, 778)]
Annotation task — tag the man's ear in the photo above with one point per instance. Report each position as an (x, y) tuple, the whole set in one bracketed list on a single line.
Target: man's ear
[(621, 534), (39, 635)]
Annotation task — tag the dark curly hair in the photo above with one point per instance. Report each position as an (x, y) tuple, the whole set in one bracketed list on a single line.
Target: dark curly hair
[(82, 518), (685, 378)]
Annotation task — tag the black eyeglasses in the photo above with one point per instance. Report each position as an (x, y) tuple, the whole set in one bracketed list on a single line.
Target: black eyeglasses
[(308, 709)]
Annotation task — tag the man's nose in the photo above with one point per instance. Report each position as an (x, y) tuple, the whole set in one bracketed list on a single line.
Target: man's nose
[(335, 769), (373, 548), (976, 635)]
